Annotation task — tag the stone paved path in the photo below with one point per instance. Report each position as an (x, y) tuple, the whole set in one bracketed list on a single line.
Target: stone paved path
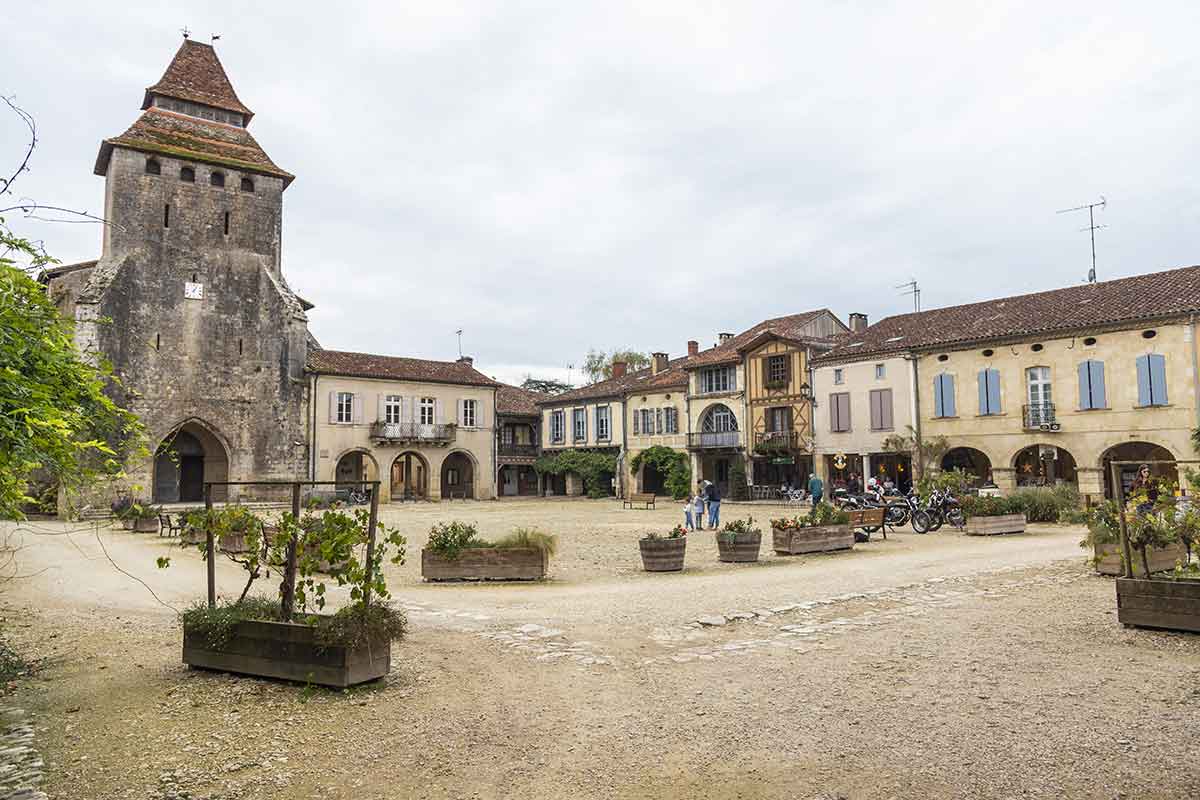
[(20, 763)]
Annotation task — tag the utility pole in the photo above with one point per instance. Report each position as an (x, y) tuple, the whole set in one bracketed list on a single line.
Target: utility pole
[(914, 290), (1091, 228)]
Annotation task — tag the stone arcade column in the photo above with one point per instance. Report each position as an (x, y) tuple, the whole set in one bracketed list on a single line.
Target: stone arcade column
[(1091, 484), (1005, 479)]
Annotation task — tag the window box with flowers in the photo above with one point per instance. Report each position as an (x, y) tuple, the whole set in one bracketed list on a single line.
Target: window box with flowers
[(664, 553)]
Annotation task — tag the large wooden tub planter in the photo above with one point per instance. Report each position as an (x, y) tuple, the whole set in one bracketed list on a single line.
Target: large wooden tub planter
[(1168, 600), (1168, 603), (992, 516), (825, 529), (456, 553), (664, 553), (739, 541)]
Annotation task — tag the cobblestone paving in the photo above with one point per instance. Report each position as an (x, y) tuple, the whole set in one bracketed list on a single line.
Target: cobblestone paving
[(20, 763)]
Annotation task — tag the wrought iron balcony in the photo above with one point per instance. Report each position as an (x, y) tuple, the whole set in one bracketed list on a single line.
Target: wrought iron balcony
[(772, 441), (715, 439), (1040, 416), (414, 432), (517, 450)]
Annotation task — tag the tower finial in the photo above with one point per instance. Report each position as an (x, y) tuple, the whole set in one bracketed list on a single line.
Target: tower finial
[(186, 33)]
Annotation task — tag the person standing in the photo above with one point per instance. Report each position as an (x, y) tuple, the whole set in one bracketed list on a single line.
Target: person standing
[(714, 506), (687, 514), (698, 508), (815, 488), (852, 485)]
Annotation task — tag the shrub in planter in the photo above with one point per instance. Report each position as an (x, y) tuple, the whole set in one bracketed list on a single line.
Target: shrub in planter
[(993, 515), (664, 553), (120, 510), (823, 529), (232, 528), (455, 552), (739, 541), (141, 517), (1103, 540)]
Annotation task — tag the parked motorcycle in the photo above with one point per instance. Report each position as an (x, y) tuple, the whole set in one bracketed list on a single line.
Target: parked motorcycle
[(941, 508)]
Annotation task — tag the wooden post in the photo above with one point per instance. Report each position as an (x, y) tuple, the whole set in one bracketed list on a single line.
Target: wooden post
[(288, 590), (1119, 494), (210, 547), (371, 543)]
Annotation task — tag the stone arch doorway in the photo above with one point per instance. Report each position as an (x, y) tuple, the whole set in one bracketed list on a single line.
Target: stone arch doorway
[(186, 459), (971, 461), (652, 479), (1044, 465), (410, 477), (353, 467), (1140, 452), (458, 476)]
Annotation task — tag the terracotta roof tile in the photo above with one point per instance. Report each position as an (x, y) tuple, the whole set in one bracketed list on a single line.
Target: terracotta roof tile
[(793, 326), (1076, 308), (640, 380), (181, 136), (517, 401), (366, 365), (196, 74)]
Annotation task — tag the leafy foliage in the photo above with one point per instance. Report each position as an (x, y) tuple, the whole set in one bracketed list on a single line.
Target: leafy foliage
[(358, 625), (975, 506), (736, 526), (594, 466), (216, 624), (449, 539), (822, 514), (678, 532), (597, 364), (954, 481), (545, 385), (530, 537), (676, 466), (737, 480), (927, 453), (1044, 504)]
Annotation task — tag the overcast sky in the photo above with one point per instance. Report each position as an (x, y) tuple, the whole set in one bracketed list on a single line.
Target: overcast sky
[(557, 176)]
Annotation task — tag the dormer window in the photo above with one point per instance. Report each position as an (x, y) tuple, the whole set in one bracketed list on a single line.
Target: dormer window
[(187, 175), (217, 179), (201, 111), (153, 167), (247, 185)]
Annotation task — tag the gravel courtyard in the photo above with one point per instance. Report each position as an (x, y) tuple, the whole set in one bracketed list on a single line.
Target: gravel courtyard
[(918, 667)]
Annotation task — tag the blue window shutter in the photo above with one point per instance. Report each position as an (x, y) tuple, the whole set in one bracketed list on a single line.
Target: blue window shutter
[(938, 408), (994, 391), (983, 392), (1143, 379), (948, 400), (1099, 400), (1158, 379), (1085, 386)]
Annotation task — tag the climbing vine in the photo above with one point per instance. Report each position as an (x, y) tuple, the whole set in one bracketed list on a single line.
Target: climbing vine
[(672, 464), (595, 467)]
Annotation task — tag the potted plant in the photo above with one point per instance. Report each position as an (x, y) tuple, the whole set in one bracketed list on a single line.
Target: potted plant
[(290, 637), (455, 552), (664, 553), (739, 541), (120, 510), (989, 516), (1104, 541), (825, 528), (141, 517), (231, 525)]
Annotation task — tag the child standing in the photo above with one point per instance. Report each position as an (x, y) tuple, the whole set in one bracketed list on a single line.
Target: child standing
[(698, 506), (687, 514)]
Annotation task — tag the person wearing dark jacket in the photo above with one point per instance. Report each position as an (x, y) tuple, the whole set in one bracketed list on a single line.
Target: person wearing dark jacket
[(713, 495)]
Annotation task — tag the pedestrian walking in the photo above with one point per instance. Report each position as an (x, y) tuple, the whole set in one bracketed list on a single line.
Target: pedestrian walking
[(815, 488)]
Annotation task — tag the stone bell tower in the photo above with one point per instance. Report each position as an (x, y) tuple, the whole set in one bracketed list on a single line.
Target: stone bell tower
[(188, 300)]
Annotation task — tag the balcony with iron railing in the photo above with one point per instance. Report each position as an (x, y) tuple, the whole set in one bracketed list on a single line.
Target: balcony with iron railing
[(715, 439), (773, 441), (1039, 416), (413, 433), (513, 450)]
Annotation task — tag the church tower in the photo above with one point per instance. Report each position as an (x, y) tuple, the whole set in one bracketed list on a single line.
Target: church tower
[(188, 300)]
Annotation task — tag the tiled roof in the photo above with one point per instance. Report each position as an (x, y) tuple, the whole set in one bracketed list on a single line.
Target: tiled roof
[(640, 380), (1076, 308), (181, 136), (63, 269), (517, 401), (366, 365), (793, 326), (196, 74)]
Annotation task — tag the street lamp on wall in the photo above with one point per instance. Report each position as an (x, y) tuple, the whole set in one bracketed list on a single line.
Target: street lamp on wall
[(806, 392)]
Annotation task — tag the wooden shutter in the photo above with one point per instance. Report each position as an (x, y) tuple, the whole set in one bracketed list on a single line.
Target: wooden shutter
[(876, 412), (658, 421), (356, 407), (939, 409), (1143, 380), (885, 409), (833, 412), (983, 392), (637, 422), (380, 411), (844, 411), (1158, 379), (333, 406), (1085, 386), (1099, 397), (993, 379)]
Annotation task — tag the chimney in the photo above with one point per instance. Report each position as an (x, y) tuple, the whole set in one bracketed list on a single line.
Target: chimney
[(858, 323), (619, 368), (660, 363), (722, 338), (470, 362), (693, 348)]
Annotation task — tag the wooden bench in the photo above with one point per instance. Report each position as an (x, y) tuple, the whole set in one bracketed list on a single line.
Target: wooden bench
[(646, 499), (168, 527), (873, 518)]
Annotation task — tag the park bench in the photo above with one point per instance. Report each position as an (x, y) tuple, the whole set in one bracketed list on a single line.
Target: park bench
[(647, 500), (869, 520), (169, 527)]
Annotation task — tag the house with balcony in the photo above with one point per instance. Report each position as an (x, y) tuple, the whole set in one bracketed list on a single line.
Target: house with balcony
[(518, 441), (1052, 387), (588, 418), (425, 429)]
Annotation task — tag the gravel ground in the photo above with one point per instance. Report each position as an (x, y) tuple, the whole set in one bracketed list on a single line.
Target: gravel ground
[(921, 667)]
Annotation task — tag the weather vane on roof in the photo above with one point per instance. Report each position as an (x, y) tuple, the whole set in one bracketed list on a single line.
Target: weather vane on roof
[(213, 37), (186, 33)]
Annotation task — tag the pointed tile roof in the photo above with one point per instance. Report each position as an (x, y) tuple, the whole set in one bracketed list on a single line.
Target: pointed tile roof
[(369, 365), (515, 401), (196, 74)]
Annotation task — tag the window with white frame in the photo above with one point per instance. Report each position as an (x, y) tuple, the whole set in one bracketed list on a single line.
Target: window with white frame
[(579, 424), (603, 431), (345, 407), (643, 421), (469, 417), (838, 376), (670, 420), (718, 379), (557, 425), (392, 407), (880, 372), (428, 410)]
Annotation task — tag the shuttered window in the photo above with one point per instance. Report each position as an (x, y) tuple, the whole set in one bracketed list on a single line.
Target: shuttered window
[(580, 424), (392, 406), (989, 392), (881, 409), (344, 407), (557, 425), (602, 426), (1152, 379), (670, 420), (1091, 385), (943, 395), (839, 412)]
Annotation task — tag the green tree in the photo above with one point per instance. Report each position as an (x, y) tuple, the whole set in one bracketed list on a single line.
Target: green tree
[(545, 385), (597, 365), (926, 454)]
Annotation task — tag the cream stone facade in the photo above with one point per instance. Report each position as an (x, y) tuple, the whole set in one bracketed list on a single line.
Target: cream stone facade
[(717, 413), (582, 423), (653, 419)]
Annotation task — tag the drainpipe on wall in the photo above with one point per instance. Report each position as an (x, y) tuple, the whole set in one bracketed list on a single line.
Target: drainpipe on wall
[(312, 429), (1195, 369), (495, 455), (915, 407), (624, 449)]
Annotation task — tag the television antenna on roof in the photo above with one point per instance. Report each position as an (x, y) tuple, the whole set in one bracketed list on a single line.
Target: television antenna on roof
[(1092, 228), (914, 290)]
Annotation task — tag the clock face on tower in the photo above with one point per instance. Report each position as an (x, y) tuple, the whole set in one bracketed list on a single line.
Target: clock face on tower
[(193, 291)]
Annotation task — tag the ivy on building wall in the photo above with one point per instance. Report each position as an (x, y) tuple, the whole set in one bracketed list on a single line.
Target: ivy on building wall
[(594, 467), (672, 464)]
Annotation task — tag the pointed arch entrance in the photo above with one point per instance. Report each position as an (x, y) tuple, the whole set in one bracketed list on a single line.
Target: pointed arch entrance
[(186, 459), (410, 477)]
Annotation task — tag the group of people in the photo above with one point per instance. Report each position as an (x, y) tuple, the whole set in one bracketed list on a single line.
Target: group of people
[(707, 496)]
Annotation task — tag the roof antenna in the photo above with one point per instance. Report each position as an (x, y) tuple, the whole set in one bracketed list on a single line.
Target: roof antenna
[(213, 38), (186, 33), (1092, 227), (914, 290), (459, 332)]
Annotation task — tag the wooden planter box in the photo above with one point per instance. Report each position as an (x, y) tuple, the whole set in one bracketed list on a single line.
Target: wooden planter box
[(289, 651), (991, 526), (145, 525), (825, 538), (191, 535), (663, 555), (1108, 559), (1148, 603), (744, 546), (126, 524), (486, 563), (233, 543)]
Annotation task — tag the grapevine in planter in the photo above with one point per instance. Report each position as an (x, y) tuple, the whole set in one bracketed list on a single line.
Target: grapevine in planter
[(824, 529), (1103, 541), (455, 552), (664, 553), (739, 541)]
